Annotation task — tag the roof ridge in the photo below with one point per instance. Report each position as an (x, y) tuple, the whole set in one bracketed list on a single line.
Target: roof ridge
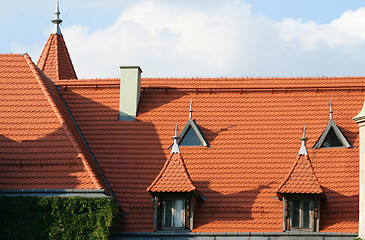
[(44, 55), (63, 122)]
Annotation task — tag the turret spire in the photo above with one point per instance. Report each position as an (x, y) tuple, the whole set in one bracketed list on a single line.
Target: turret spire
[(191, 108), (303, 148), (57, 20), (331, 112), (175, 147)]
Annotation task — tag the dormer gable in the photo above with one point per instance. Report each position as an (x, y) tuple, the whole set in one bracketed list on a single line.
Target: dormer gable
[(332, 136), (175, 194), (191, 135)]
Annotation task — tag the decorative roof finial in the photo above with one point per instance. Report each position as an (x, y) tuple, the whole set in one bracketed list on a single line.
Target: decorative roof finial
[(191, 108), (57, 20), (331, 112), (303, 148), (175, 146)]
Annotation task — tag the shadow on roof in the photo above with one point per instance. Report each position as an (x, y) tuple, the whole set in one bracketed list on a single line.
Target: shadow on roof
[(349, 212), (237, 206), (49, 162)]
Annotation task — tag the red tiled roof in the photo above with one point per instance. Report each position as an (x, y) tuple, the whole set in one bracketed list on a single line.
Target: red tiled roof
[(301, 178), (252, 127), (40, 146), (173, 177), (55, 60)]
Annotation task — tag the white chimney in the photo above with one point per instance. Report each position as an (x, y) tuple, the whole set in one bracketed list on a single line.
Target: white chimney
[(360, 119), (130, 90)]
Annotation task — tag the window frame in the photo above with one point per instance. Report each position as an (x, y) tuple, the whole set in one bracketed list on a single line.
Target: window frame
[(189, 205), (313, 212), (173, 200)]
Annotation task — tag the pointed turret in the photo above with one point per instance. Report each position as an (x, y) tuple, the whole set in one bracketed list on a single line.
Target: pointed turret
[(55, 60)]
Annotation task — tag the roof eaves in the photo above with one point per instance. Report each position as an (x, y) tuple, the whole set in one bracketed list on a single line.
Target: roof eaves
[(55, 192)]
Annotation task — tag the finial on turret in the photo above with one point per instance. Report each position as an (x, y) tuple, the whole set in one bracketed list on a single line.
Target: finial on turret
[(175, 146), (191, 108), (57, 20), (331, 112), (303, 148)]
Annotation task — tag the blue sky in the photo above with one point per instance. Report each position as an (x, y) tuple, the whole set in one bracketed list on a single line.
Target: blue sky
[(206, 38)]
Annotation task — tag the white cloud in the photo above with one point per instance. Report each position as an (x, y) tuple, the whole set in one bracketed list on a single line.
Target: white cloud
[(173, 39)]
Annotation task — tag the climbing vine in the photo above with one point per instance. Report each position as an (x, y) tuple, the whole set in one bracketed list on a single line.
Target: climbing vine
[(56, 217)]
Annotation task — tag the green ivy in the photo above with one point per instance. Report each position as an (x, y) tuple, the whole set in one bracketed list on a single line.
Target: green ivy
[(56, 217)]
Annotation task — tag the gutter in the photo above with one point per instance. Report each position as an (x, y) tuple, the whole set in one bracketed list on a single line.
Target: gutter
[(55, 192), (232, 234)]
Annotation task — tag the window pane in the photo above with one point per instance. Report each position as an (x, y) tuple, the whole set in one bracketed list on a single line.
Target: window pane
[(178, 207), (305, 214), (331, 140), (168, 213), (190, 138), (296, 207)]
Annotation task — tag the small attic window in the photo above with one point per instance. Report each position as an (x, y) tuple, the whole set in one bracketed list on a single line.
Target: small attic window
[(191, 135), (190, 138), (332, 136), (331, 140)]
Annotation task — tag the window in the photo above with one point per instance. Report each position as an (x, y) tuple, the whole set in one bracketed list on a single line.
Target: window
[(173, 213), (332, 137), (301, 212), (331, 140), (190, 138)]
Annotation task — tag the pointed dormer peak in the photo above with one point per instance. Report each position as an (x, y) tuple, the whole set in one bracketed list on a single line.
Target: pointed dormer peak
[(191, 108), (303, 148), (175, 146), (331, 112), (57, 21)]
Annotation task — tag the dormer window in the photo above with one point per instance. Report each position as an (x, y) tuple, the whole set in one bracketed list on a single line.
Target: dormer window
[(301, 194), (331, 140), (174, 194), (191, 135), (332, 136)]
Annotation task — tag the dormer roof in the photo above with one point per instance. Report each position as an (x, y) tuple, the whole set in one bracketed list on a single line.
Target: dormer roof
[(55, 61), (174, 177), (301, 178)]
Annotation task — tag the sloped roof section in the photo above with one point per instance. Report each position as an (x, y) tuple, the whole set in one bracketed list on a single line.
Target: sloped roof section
[(55, 60), (249, 124), (40, 145), (301, 177), (174, 177)]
